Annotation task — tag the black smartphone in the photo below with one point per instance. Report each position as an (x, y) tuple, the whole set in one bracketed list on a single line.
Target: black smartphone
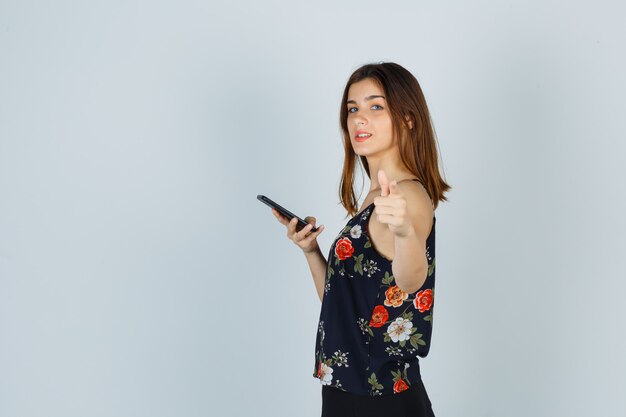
[(289, 215)]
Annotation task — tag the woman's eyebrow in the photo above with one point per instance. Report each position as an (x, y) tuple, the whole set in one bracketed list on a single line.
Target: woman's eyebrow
[(366, 99)]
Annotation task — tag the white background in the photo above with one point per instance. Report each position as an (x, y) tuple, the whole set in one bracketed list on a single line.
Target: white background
[(139, 275)]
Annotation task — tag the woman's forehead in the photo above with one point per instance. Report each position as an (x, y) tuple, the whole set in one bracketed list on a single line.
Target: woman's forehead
[(364, 89)]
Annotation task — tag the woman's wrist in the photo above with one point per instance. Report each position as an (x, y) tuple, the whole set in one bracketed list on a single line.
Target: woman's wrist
[(313, 250)]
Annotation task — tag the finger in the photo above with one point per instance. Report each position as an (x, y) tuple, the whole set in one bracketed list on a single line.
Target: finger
[(282, 219), (384, 183), (313, 235), (291, 226), (302, 233), (393, 187), (389, 219), (310, 219)]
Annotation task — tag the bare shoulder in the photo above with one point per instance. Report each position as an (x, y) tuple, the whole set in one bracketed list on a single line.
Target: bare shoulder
[(419, 206)]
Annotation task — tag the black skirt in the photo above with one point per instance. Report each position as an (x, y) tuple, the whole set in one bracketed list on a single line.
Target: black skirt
[(413, 402)]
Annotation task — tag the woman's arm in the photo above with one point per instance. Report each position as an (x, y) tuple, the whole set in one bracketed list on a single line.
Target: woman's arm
[(317, 265)]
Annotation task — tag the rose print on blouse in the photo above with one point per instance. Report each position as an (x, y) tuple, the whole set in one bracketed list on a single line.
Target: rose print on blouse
[(400, 385), (395, 296), (344, 248), (400, 381), (379, 316), (423, 300)]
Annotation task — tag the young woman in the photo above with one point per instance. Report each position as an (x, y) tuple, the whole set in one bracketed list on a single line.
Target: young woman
[(377, 285)]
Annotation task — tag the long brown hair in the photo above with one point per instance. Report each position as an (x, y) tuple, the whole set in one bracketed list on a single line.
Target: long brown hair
[(418, 146)]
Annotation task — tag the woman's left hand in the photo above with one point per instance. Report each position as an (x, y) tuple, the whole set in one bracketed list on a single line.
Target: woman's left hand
[(390, 207)]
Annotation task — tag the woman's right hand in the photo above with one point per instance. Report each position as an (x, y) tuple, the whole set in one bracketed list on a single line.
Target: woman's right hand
[(305, 239)]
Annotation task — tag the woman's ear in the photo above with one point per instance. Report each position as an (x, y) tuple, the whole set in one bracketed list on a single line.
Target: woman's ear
[(409, 121)]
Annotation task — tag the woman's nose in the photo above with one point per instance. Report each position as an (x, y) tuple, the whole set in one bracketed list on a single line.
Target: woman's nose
[(358, 121)]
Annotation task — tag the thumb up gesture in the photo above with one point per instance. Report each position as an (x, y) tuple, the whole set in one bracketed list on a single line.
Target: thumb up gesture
[(390, 206)]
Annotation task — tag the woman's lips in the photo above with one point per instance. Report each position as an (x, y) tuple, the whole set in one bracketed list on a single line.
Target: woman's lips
[(358, 139)]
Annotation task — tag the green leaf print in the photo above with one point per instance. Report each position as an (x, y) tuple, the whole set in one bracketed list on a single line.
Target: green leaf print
[(329, 272), (374, 382), (407, 315), (358, 264), (388, 278), (428, 317), (396, 375), (416, 339), (368, 244)]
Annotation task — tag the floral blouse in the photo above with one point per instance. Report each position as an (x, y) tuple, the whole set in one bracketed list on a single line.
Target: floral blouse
[(370, 332)]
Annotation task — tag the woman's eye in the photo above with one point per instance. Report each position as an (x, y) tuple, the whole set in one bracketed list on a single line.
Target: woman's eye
[(350, 109)]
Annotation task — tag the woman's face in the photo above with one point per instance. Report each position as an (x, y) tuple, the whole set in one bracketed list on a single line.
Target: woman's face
[(368, 113)]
